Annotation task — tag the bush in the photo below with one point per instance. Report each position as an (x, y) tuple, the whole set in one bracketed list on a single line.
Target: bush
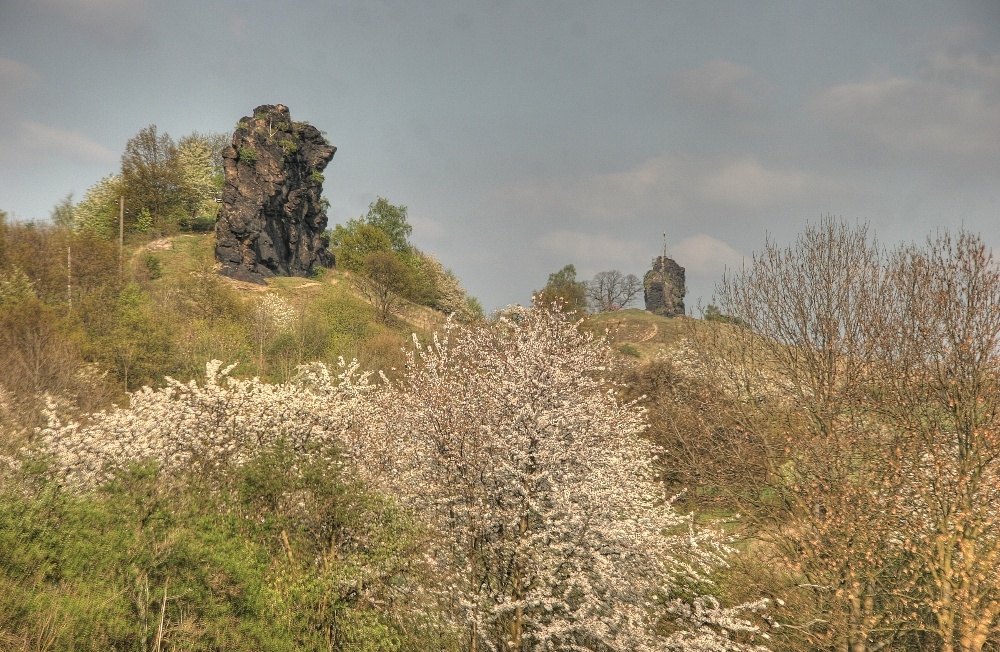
[(629, 350), (247, 154), (151, 267), (200, 224), (274, 560)]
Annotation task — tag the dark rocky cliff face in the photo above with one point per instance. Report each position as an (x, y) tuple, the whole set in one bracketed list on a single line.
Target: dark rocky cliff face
[(663, 287), (272, 221)]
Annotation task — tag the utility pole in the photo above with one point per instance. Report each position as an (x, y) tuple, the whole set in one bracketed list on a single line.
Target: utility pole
[(69, 277), (121, 232), (663, 260)]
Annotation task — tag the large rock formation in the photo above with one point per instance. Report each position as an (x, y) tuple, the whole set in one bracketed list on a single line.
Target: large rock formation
[(663, 287), (272, 220)]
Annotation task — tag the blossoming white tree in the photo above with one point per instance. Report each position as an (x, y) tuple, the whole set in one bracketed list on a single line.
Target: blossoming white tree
[(553, 532)]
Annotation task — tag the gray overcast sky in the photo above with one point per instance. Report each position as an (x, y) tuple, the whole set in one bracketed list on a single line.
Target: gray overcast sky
[(527, 135)]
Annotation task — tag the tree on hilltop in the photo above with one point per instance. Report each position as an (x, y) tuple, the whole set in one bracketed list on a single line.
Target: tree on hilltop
[(612, 290), (564, 291), (391, 220), (151, 176)]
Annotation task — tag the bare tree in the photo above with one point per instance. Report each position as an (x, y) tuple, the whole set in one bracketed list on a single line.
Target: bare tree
[(798, 371), (612, 290), (940, 370), (870, 382)]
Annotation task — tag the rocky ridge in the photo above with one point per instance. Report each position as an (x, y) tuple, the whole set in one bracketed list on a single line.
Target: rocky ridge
[(273, 218), (664, 287)]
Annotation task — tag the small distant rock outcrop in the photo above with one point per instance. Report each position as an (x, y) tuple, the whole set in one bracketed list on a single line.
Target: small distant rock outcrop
[(663, 287), (272, 220)]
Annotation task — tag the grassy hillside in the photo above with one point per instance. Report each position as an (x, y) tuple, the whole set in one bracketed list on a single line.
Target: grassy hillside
[(226, 560), (324, 317), (639, 334)]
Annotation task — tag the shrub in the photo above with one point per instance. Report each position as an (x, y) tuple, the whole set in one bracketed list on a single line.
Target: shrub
[(275, 558), (152, 268), (629, 350), (247, 154)]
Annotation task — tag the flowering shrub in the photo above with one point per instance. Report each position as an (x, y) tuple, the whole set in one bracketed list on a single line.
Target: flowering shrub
[(552, 529), (187, 427), (549, 528)]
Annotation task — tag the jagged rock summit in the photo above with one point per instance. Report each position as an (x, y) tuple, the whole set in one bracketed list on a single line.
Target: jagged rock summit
[(663, 287), (272, 219)]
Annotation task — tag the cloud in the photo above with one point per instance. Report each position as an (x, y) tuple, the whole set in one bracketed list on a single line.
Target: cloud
[(946, 117), (16, 81), (15, 74), (704, 255), (33, 141), (428, 227), (611, 197), (118, 20), (747, 183), (678, 186), (589, 250), (25, 141), (722, 86)]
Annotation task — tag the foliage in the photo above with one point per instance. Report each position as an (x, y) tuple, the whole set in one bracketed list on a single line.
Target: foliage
[(385, 229), (354, 243), (205, 428), (37, 357), (247, 154), (144, 221), (271, 556), (384, 281), (42, 305), (712, 313), (62, 212), (271, 314), (564, 292), (612, 290), (165, 186), (151, 176), (310, 559), (629, 349), (152, 269), (130, 338), (552, 531), (200, 172), (443, 291), (97, 212), (392, 220), (15, 287)]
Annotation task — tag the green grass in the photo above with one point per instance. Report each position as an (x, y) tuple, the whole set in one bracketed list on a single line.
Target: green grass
[(637, 333), (212, 316), (242, 567)]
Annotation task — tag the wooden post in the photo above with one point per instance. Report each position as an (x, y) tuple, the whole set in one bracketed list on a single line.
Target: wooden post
[(121, 231), (69, 277)]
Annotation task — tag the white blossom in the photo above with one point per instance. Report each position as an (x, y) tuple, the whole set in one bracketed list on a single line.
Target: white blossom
[(552, 530), (187, 427)]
